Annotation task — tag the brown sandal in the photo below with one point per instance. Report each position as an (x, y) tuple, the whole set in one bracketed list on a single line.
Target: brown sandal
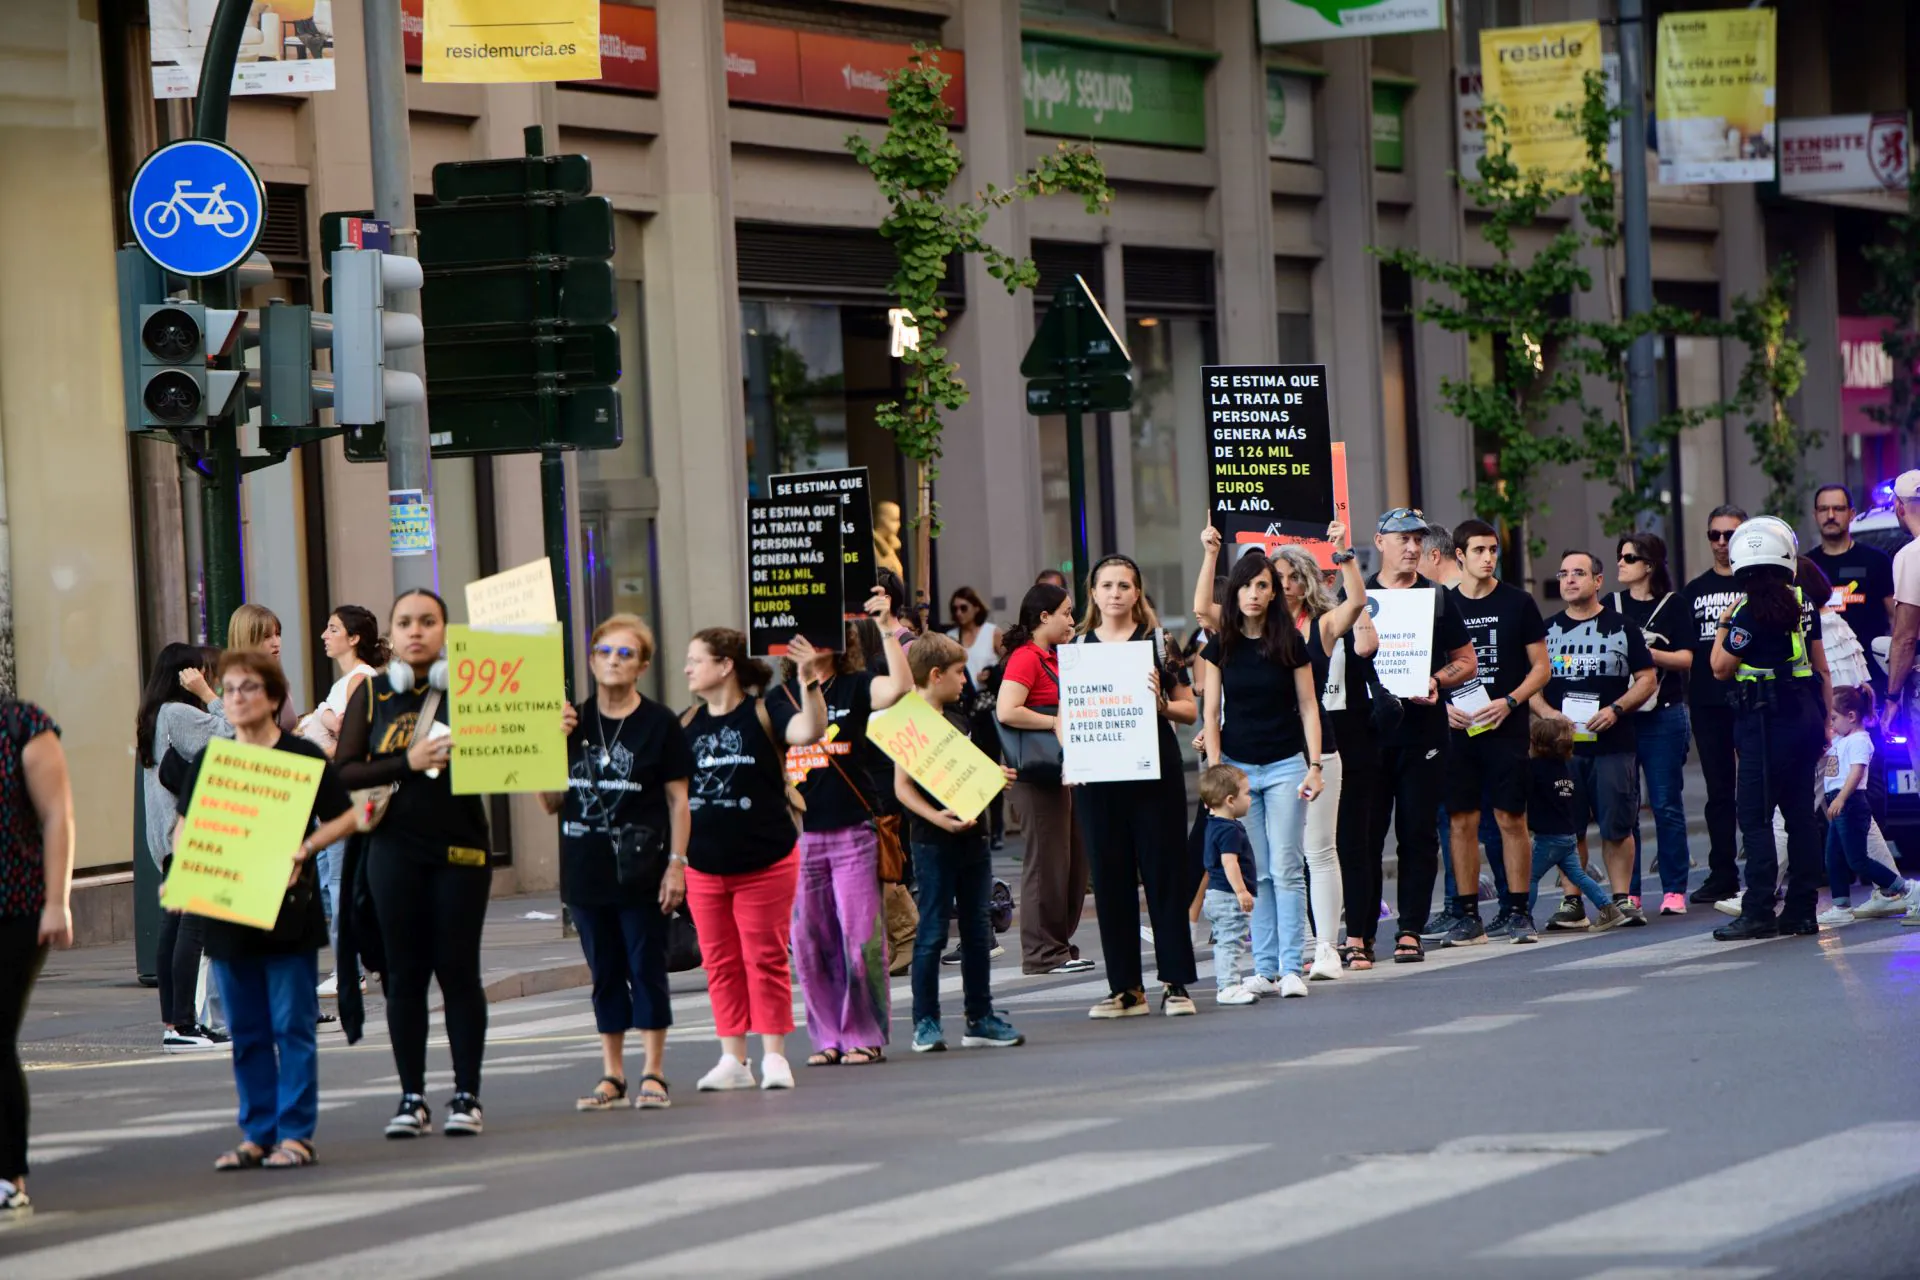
[(291, 1153)]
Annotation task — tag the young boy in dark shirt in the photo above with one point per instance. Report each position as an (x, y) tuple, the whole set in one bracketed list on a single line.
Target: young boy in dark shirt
[(1552, 793), (1231, 877), (951, 866)]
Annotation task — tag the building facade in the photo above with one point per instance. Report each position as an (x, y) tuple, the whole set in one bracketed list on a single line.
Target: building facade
[(1252, 184)]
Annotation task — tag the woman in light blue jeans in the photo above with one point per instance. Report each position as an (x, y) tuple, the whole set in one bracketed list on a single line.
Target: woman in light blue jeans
[(1263, 717)]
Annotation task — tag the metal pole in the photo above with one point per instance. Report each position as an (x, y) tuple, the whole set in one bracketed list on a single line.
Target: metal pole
[(1642, 406), (1076, 449), (220, 492), (409, 453), (553, 521)]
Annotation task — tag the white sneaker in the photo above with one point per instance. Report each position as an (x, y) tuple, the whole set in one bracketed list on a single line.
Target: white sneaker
[(1326, 963), (1236, 995), (1880, 906), (775, 1072), (1836, 915), (729, 1073), (330, 989), (1730, 906), (1261, 986), (1291, 984)]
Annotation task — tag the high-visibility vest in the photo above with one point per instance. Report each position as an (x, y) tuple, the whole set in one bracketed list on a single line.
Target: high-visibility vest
[(1802, 668)]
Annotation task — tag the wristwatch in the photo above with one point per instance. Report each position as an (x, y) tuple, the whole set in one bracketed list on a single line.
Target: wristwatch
[(1511, 704), (1618, 714), (1341, 557)]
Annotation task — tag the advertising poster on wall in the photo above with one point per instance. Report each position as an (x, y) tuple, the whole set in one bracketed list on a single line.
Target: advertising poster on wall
[(1713, 99), (502, 42), (285, 47), (1535, 74), (1291, 21)]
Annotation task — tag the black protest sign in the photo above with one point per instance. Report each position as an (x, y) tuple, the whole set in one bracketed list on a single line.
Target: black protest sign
[(1269, 451), (856, 523), (794, 585)]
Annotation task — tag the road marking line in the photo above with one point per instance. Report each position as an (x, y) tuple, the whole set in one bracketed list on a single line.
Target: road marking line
[(1354, 1057), (1899, 942), (1712, 966), (1205, 1092), (39, 1155), (489, 1243), (1682, 1273), (1474, 1024), (163, 1129), (1657, 955), (1585, 994), (1378, 1188), (1731, 1204), (1045, 1131), (216, 1232), (834, 1239), (439, 1079)]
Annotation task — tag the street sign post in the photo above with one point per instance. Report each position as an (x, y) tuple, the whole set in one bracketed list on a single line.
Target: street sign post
[(196, 207), (1077, 364)]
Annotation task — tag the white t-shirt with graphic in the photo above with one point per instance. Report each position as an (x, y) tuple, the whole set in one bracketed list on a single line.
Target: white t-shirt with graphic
[(1855, 748)]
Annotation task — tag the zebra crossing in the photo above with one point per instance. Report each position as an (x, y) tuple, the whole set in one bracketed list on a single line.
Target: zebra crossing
[(753, 1221)]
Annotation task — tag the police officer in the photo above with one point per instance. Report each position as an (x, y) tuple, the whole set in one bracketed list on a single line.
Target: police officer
[(1768, 646)]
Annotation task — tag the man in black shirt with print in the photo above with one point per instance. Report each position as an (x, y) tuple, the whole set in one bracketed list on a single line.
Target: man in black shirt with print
[(1601, 671), (1862, 576), (1412, 761), (1489, 736), (1707, 598)]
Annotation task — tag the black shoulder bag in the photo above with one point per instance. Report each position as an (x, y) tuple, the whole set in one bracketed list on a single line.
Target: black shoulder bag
[(639, 852)]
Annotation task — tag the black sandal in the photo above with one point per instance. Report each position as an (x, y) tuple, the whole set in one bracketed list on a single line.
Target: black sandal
[(244, 1156), (603, 1101), (1408, 949), (825, 1058), (652, 1094), (872, 1057), (291, 1153)]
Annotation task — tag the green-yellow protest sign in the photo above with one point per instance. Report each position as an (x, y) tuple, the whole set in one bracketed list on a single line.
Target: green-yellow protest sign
[(506, 686), (937, 756), (249, 811)]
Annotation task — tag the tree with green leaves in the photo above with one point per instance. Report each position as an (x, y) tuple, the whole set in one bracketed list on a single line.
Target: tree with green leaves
[(915, 167), (1776, 365), (1896, 296)]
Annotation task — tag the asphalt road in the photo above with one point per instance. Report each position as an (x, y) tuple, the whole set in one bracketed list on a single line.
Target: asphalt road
[(1645, 1103)]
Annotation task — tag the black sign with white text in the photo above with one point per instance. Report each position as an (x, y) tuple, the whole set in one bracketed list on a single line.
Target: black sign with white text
[(856, 523), (794, 580), (1269, 446)]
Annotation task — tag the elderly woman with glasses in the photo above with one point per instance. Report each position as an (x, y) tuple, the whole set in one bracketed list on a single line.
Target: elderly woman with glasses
[(624, 822)]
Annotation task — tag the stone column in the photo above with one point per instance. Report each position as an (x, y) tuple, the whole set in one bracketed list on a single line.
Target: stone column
[(1351, 276), (1249, 324)]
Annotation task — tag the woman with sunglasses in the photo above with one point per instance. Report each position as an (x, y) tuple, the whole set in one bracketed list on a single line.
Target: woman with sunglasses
[(1660, 725), (623, 854), (426, 866), (1135, 833), (267, 976)]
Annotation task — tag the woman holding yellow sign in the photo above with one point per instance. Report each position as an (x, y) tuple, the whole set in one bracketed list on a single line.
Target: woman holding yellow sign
[(426, 864), (267, 976)]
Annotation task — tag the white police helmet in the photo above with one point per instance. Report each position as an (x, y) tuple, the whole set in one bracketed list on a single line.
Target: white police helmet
[(1762, 542)]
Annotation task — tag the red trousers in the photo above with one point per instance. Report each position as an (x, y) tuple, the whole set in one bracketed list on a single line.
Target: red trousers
[(744, 923)]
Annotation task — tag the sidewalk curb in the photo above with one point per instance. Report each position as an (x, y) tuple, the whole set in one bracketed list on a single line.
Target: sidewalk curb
[(520, 983)]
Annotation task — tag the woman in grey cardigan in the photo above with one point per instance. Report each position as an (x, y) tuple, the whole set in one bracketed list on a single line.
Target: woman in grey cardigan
[(179, 713)]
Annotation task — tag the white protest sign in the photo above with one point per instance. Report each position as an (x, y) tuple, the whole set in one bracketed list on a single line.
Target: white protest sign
[(1404, 618), (1108, 711), (522, 595)]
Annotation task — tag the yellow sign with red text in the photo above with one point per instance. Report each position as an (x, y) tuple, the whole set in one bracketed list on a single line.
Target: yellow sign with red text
[(937, 756)]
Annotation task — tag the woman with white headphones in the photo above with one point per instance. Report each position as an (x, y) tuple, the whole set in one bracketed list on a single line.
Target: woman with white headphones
[(426, 863)]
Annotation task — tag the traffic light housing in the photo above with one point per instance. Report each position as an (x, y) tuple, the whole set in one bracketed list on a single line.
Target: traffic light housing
[(290, 390), (365, 334), (176, 390)]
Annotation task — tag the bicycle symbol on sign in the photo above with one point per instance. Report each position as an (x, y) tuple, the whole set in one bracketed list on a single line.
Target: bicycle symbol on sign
[(228, 217)]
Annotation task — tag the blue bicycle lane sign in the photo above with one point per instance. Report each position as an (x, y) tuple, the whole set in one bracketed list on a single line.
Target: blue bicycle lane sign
[(196, 207)]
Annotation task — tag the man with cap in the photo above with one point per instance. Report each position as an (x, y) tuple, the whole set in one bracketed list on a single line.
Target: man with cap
[(1707, 599), (1413, 759), (1906, 600)]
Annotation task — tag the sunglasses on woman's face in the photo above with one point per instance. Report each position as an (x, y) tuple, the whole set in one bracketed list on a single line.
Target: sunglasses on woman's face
[(619, 651), (1627, 557)]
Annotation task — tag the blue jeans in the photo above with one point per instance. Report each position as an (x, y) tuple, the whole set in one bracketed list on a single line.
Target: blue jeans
[(328, 862), (1277, 828), (957, 871), (1563, 853), (271, 1013), (1229, 927), (1663, 737), (1847, 850)]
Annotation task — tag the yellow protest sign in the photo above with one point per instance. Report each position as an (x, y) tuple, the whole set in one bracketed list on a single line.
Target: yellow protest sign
[(509, 41), (249, 812), (937, 756), (1533, 74), (517, 595), (1713, 101), (506, 686)]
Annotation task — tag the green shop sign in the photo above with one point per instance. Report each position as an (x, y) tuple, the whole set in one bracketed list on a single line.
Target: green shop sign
[(1114, 96)]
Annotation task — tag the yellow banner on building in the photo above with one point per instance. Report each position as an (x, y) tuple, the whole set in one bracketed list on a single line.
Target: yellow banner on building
[(248, 813), (1534, 74), (510, 41), (937, 756), (1714, 96)]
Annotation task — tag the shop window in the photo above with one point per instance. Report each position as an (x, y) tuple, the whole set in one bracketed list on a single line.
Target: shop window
[(1151, 15)]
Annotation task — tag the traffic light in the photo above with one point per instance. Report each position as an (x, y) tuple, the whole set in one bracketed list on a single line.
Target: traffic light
[(290, 390), (164, 348), (365, 334)]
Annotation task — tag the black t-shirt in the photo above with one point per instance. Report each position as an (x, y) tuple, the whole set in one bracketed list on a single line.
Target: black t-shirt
[(1706, 598), (1259, 707), (302, 925), (827, 772), (618, 769), (738, 795), (425, 819), (1422, 725), (1502, 624), (1596, 658), (1664, 624), (1862, 578), (1758, 646), (1550, 798)]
